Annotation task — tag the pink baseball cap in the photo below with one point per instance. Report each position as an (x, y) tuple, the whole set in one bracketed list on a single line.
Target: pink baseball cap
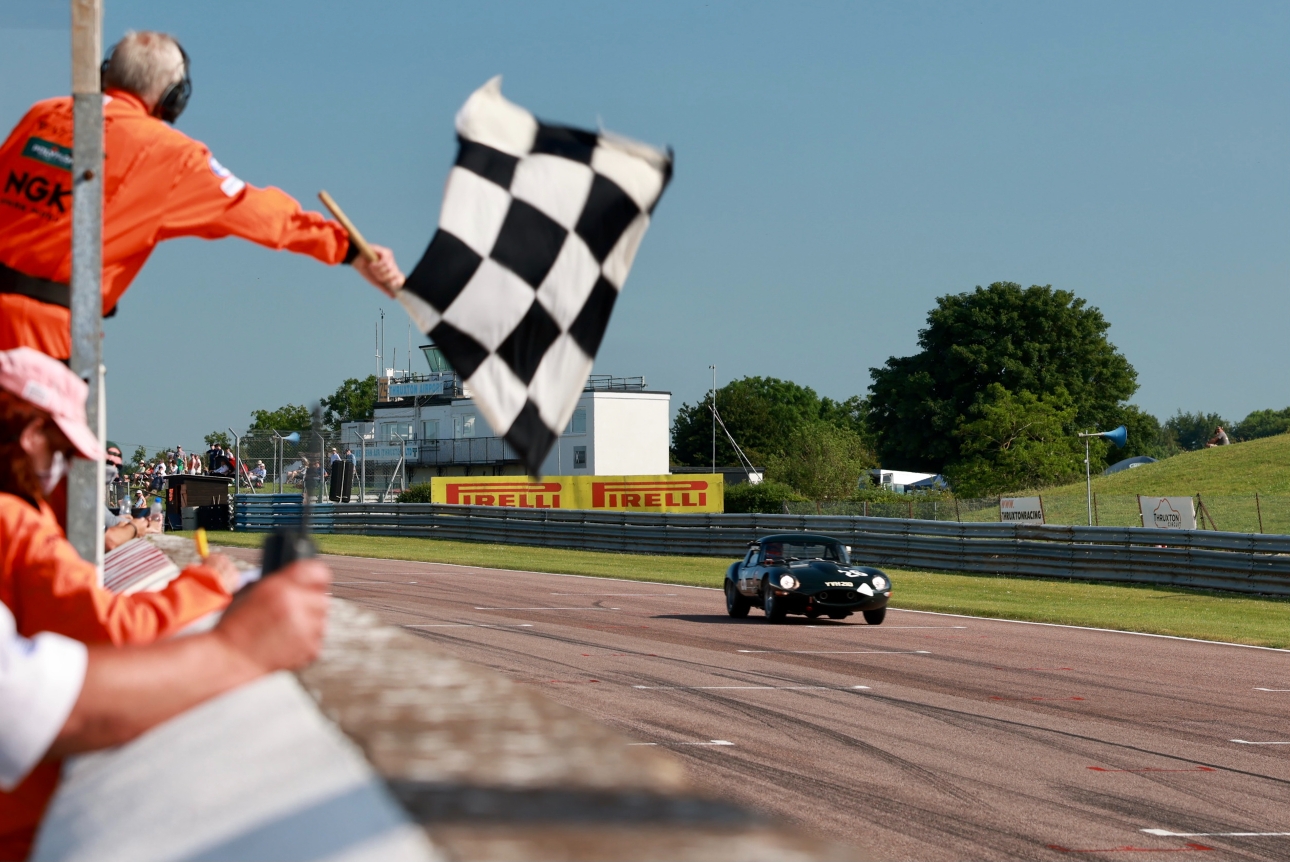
[(51, 386)]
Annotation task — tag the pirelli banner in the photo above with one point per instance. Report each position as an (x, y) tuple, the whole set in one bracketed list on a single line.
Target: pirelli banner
[(686, 493)]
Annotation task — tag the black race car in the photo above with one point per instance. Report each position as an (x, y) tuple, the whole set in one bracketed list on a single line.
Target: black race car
[(801, 573)]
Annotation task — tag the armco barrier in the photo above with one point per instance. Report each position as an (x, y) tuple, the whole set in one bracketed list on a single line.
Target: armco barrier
[(1243, 562)]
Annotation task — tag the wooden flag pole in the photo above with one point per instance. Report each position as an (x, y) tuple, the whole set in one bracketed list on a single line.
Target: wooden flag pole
[(354, 236)]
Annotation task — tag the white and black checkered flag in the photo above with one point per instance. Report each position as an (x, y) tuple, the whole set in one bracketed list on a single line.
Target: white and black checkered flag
[(538, 231)]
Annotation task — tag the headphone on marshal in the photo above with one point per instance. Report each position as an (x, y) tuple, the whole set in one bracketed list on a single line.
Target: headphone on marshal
[(174, 100)]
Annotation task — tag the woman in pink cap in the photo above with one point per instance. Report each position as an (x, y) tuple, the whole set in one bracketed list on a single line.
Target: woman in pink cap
[(42, 426), (43, 581)]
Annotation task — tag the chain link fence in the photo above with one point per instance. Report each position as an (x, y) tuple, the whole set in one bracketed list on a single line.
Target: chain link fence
[(272, 463), (1236, 513)]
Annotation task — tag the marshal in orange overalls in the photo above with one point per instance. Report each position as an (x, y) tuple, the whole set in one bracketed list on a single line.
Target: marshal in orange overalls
[(49, 588), (158, 184)]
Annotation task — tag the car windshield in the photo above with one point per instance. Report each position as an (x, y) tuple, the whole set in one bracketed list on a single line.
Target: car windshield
[(789, 551)]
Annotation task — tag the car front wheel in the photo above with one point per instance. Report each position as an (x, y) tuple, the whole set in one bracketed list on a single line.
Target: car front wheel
[(875, 617), (771, 604), (737, 603)]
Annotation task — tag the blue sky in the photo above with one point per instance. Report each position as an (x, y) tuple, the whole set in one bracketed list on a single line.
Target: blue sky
[(838, 167)]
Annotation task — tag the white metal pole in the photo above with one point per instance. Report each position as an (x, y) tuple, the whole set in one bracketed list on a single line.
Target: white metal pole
[(714, 417), (85, 482), (1088, 483), (237, 471)]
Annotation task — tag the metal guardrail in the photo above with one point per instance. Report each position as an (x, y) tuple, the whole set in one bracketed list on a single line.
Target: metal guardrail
[(1242, 562)]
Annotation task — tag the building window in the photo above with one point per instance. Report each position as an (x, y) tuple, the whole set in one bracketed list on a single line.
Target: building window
[(392, 431), (579, 457), (463, 426), (429, 429), (577, 422)]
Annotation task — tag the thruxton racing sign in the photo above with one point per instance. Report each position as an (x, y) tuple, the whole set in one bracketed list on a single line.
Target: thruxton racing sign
[(688, 493), (1168, 513), (1021, 510)]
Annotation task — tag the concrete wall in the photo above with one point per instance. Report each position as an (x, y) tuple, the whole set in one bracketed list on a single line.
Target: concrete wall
[(631, 433)]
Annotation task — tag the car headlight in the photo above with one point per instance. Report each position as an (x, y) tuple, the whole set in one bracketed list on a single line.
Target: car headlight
[(879, 582), (787, 581)]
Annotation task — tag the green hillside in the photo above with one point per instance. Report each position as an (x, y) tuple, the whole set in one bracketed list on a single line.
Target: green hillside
[(1226, 478), (1243, 468)]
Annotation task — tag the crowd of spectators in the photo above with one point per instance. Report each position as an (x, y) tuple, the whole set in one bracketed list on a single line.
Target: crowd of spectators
[(150, 473)]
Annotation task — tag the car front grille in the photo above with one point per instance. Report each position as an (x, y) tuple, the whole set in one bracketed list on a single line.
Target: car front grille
[(837, 597)]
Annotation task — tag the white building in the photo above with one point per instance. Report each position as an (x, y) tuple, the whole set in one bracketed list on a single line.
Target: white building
[(902, 481), (619, 428)]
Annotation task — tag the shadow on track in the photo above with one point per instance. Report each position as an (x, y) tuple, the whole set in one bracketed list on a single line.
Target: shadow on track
[(724, 619)]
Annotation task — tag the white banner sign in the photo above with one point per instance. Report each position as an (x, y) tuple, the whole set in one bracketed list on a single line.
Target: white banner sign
[(1021, 510), (1168, 513), (389, 452), (412, 390)]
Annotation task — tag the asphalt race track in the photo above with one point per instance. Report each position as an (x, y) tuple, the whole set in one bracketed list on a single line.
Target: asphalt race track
[(930, 737)]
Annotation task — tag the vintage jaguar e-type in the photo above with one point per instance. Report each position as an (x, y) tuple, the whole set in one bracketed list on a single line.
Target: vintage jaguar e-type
[(802, 573)]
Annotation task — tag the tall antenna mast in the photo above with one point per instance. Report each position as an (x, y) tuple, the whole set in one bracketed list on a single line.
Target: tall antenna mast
[(714, 417)]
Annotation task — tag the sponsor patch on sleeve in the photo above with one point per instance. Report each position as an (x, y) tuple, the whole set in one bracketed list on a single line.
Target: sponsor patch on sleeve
[(231, 185), (48, 152)]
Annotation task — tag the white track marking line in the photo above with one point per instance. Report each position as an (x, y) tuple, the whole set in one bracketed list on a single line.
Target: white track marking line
[(1090, 629), (752, 687), (1165, 833), (547, 609), (710, 742), (1272, 689), (467, 625), (838, 651), (1247, 742)]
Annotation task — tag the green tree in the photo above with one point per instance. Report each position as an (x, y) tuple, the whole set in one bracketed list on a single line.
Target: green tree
[(1193, 430), (761, 413), (822, 461), (418, 493), (140, 456), (353, 401), (1264, 423), (292, 417), (1036, 340), (220, 437), (766, 497), (1012, 441), (852, 414)]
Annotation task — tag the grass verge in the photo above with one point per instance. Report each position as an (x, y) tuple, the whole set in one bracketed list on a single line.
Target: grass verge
[(1159, 610)]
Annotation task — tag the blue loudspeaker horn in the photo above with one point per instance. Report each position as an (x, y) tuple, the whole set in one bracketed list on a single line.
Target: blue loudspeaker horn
[(1119, 436), (294, 436)]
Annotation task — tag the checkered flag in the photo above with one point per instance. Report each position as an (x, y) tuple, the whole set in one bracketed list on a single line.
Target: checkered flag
[(538, 231)]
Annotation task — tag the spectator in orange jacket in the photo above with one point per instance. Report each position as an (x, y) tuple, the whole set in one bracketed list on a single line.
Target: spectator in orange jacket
[(43, 581), (158, 183)]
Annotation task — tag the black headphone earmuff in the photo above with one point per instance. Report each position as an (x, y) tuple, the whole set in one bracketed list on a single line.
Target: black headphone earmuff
[(174, 100)]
